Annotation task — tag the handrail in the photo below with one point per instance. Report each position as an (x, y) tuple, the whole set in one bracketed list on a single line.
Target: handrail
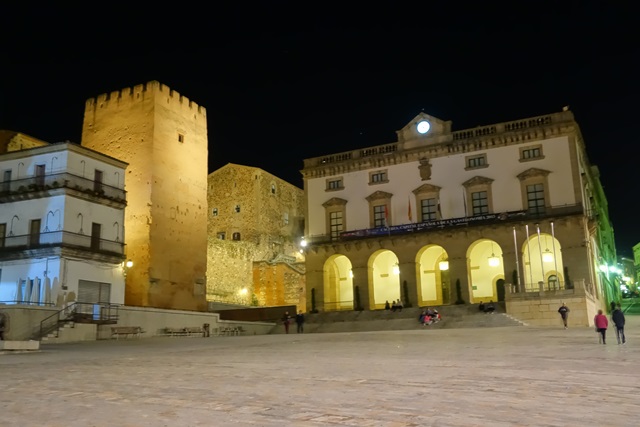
[(78, 312)]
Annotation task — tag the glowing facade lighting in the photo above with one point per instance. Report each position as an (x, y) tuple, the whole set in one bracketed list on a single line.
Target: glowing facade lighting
[(444, 265), (396, 269), (547, 256)]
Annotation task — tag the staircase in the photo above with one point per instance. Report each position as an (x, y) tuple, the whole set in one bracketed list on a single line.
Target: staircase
[(453, 316)]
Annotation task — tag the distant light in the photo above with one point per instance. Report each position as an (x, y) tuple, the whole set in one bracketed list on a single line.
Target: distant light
[(547, 256), (396, 269), (129, 264), (444, 265), (494, 261)]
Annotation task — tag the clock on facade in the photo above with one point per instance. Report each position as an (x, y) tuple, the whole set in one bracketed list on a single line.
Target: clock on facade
[(423, 127)]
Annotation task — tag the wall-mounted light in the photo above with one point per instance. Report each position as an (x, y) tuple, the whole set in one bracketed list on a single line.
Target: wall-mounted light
[(396, 269), (494, 261), (444, 263), (126, 266), (547, 256), (351, 273)]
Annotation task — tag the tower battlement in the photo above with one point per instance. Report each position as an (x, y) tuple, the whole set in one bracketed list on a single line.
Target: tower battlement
[(139, 93)]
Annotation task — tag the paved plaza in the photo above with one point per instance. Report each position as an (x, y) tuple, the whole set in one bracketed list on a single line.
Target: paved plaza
[(507, 376)]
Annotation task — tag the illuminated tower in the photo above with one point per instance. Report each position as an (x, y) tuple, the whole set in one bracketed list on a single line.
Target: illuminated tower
[(163, 137)]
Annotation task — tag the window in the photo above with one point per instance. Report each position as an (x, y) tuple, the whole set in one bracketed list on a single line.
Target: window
[(96, 231), (475, 162), (237, 208), (531, 153), (34, 232), (214, 212), (535, 198), (479, 203), (477, 196), (285, 218), (6, 181), (235, 236), (180, 138), (273, 189), (335, 217), (3, 233), (378, 177), (534, 187), (97, 181), (40, 169), (334, 184), (221, 235), (428, 209), (380, 216), (335, 224)]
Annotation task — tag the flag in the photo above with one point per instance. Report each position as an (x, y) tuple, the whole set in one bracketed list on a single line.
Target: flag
[(386, 216), (464, 201), (409, 201)]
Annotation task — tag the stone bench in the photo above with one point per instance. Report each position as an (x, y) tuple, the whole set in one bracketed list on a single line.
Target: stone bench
[(126, 331)]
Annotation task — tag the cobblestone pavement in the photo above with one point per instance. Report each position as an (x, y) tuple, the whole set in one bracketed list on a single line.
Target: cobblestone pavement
[(510, 376)]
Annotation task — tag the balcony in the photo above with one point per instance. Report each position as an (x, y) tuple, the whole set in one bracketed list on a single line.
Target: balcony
[(60, 239), (444, 224), (45, 185)]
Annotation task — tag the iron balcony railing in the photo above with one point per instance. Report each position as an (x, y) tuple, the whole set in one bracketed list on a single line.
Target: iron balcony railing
[(63, 239), (60, 180), (485, 219)]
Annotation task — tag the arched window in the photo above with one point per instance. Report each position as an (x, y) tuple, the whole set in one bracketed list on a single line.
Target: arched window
[(236, 236)]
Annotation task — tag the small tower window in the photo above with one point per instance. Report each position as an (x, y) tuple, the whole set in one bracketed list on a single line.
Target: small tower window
[(237, 208), (180, 138), (236, 236), (273, 189), (214, 212), (221, 235)]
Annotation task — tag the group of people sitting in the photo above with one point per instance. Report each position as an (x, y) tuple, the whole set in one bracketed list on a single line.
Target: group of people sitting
[(489, 308), (396, 305), (429, 316)]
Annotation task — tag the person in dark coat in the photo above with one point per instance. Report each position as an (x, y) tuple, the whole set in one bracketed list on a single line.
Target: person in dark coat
[(564, 313), (286, 319), (618, 319), (300, 321)]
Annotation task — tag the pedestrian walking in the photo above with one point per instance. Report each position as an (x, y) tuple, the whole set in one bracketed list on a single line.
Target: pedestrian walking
[(3, 323), (564, 314), (618, 319), (300, 321), (601, 322), (286, 320)]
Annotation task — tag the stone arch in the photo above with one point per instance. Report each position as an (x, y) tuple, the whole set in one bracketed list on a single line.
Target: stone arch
[(338, 283), (485, 267), (432, 275), (384, 278)]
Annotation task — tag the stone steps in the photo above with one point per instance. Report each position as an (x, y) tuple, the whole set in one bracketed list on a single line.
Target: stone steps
[(456, 316)]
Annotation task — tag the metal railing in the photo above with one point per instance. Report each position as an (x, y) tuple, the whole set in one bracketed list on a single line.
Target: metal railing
[(78, 312), (63, 239), (486, 219), (61, 180)]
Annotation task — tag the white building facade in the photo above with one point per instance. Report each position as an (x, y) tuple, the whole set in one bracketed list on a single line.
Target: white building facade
[(61, 226), (449, 217)]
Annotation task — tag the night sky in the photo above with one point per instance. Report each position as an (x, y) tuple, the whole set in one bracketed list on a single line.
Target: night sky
[(306, 80)]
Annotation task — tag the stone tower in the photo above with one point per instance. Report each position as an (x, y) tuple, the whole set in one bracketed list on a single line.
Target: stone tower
[(163, 137)]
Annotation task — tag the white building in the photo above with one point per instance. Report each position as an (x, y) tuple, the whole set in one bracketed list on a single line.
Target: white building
[(61, 225), (440, 217)]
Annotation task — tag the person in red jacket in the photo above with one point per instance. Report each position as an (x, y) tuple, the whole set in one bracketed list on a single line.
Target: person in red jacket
[(601, 323)]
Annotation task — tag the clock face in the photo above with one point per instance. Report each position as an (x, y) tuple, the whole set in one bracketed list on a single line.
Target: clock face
[(423, 127)]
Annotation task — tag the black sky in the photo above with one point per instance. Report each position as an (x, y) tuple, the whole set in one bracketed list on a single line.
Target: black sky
[(302, 80)]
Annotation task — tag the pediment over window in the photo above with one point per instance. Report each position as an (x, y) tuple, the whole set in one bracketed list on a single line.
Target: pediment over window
[(532, 173), (477, 180), (427, 188), (335, 201), (379, 195)]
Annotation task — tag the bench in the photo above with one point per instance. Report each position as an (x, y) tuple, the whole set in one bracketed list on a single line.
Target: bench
[(184, 332), (126, 331)]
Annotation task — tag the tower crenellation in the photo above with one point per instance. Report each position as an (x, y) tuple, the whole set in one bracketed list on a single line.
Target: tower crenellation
[(138, 93)]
